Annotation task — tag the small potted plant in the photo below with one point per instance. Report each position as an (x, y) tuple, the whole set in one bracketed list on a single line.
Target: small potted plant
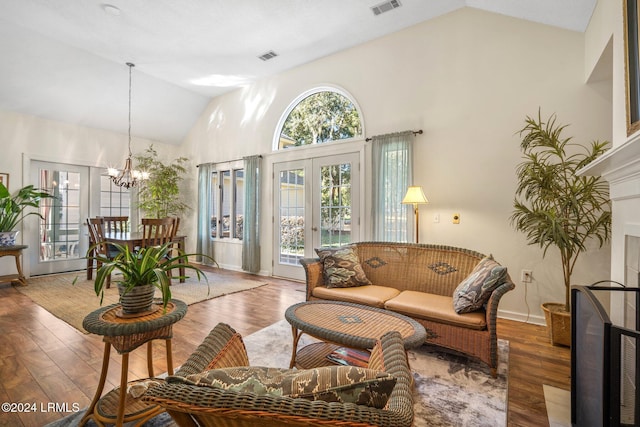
[(142, 272), (556, 207), (12, 210)]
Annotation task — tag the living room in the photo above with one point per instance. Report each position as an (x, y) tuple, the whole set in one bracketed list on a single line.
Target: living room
[(467, 78)]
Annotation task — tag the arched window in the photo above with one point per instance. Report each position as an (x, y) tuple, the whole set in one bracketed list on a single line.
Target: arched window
[(317, 116)]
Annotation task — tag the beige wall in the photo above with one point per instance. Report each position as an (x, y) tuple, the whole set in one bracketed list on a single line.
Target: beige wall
[(24, 138), (468, 79)]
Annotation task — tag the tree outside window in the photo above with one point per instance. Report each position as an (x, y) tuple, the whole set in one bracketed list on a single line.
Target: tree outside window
[(320, 117)]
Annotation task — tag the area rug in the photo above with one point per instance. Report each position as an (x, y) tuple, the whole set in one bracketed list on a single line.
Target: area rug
[(450, 389), (58, 295)]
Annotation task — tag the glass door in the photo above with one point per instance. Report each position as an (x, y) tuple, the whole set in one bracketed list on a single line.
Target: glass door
[(60, 237), (315, 205), (291, 189)]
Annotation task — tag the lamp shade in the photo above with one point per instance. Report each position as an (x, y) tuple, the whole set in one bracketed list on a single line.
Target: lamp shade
[(414, 196)]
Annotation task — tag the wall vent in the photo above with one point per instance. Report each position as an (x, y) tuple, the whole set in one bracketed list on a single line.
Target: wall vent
[(385, 7), (267, 56)]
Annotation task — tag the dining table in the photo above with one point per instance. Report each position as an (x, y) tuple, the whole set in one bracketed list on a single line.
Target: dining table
[(135, 239)]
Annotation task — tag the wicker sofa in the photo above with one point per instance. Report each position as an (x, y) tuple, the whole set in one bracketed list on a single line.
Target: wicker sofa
[(196, 405), (419, 280)]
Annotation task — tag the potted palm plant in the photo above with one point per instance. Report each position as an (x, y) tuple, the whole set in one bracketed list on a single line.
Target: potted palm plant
[(142, 272), (556, 207), (13, 207), (159, 195)]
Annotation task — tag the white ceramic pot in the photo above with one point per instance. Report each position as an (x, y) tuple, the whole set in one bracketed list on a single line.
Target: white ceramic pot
[(8, 238)]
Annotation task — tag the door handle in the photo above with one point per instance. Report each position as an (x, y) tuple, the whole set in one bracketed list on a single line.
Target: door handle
[(314, 228)]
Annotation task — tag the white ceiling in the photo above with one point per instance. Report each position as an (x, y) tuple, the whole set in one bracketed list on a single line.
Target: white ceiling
[(65, 59)]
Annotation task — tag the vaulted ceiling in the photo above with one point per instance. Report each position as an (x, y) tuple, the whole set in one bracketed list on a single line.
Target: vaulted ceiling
[(65, 60)]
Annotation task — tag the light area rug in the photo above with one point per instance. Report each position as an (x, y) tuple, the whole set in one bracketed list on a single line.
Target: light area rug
[(58, 295), (450, 389)]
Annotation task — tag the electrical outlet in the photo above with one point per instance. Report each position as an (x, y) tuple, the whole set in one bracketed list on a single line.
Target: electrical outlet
[(526, 276), (436, 217)]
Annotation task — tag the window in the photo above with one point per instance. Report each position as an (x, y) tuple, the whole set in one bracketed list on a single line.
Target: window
[(114, 200), (318, 116), (227, 203)]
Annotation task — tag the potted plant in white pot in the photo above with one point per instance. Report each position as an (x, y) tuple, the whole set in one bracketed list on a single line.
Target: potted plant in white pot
[(556, 207), (141, 273), (13, 210)]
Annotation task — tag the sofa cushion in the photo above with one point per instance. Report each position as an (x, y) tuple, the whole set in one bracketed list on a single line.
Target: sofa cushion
[(344, 384), (474, 291), (422, 305), (341, 267), (371, 295)]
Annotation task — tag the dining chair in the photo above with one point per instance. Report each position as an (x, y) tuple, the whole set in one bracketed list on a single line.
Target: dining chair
[(98, 246), (113, 224), (157, 231)]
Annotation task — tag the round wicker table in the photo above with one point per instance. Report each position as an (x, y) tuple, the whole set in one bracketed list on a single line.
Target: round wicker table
[(125, 334), (344, 324)]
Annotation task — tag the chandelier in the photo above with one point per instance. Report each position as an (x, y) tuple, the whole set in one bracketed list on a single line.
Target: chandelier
[(127, 177)]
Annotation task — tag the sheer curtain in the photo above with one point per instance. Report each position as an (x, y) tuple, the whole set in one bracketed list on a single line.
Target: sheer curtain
[(251, 220), (204, 243), (392, 156)]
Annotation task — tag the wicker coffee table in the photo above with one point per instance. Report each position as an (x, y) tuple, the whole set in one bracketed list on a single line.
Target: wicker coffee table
[(344, 324)]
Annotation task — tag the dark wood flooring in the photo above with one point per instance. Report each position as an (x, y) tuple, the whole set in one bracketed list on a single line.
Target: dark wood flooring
[(45, 361)]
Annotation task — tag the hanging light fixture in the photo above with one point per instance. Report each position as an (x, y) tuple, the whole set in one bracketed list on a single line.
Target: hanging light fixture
[(127, 177)]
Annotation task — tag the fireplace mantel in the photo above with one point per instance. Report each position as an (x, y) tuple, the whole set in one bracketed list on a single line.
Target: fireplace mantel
[(620, 166)]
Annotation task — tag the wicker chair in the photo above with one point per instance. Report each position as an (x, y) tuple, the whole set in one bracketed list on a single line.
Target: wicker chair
[(192, 405)]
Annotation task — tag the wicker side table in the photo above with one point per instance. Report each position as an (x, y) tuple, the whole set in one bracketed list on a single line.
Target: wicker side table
[(125, 335), (345, 324)]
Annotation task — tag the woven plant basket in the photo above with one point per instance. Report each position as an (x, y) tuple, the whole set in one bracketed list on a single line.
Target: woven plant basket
[(558, 323), (139, 299)]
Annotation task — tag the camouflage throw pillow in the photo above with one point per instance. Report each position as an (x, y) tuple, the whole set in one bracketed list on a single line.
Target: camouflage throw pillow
[(341, 267), (345, 384), (475, 290)]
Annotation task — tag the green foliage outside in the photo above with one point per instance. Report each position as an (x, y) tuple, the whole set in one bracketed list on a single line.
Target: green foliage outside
[(322, 117), (159, 195)]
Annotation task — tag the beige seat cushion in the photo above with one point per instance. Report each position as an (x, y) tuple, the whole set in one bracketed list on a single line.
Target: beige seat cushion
[(371, 295), (422, 305)]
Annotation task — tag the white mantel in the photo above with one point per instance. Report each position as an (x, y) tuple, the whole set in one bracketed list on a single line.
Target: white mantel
[(620, 166)]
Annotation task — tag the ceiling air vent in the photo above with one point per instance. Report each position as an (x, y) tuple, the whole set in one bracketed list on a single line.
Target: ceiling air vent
[(385, 7), (267, 56)]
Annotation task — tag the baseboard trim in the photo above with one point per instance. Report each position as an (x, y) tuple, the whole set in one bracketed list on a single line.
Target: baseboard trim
[(520, 317)]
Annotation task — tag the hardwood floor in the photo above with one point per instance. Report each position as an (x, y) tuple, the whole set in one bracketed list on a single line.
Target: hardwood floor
[(45, 361)]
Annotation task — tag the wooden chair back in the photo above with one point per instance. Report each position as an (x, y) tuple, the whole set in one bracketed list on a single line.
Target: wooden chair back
[(96, 235), (158, 231), (115, 224), (98, 245)]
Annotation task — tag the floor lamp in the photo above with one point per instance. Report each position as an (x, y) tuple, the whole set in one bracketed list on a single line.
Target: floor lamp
[(415, 196)]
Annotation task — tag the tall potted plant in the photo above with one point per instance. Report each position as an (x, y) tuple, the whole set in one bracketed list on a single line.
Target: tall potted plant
[(159, 194), (556, 207), (13, 210)]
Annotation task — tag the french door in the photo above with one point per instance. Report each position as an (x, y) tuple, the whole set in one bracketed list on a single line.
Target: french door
[(316, 205), (59, 241)]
